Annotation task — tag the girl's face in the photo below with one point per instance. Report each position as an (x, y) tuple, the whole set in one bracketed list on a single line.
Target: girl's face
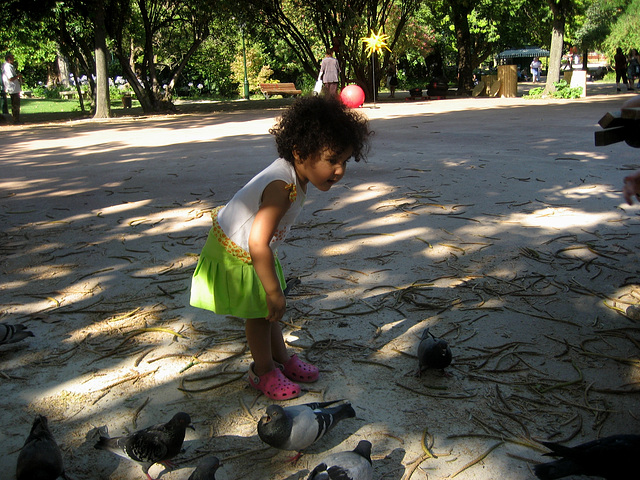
[(322, 169)]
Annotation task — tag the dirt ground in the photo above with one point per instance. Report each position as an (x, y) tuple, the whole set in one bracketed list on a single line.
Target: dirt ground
[(495, 222)]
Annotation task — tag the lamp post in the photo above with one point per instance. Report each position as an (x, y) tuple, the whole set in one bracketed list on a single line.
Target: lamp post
[(374, 45), (244, 59)]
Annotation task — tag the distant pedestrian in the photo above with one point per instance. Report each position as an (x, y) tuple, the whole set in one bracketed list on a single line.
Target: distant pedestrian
[(392, 79), (535, 66), (621, 68), (3, 98), (330, 73), (633, 68), (12, 80)]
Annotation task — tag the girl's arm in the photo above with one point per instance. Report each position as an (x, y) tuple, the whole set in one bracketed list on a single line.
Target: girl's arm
[(275, 203)]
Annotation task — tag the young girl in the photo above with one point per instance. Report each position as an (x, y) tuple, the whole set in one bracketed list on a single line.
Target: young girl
[(238, 272)]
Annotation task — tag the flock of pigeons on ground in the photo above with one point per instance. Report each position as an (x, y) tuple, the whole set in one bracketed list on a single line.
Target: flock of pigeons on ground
[(294, 428)]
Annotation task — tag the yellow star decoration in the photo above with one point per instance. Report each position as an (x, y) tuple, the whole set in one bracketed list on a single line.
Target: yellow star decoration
[(376, 42)]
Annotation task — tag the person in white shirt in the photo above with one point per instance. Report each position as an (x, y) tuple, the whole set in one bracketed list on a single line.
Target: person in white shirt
[(536, 65), (12, 82)]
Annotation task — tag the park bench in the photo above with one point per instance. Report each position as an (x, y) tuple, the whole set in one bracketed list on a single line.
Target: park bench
[(69, 94), (269, 89), (620, 126)]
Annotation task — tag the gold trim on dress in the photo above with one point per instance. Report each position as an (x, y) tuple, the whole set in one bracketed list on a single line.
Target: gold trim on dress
[(293, 191), (229, 245)]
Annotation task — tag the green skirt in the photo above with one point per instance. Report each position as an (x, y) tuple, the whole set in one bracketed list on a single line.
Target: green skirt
[(228, 285)]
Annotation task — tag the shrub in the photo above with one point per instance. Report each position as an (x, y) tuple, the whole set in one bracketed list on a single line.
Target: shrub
[(563, 90), (42, 91)]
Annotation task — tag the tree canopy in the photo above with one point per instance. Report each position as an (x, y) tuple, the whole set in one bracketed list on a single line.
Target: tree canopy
[(161, 46)]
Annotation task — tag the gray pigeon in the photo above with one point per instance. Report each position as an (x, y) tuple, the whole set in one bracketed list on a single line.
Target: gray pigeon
[(40, 457), (433, 352), (206, 469), (155, 444), (298, 426), (351, 465), (13, 333), (613, 458)]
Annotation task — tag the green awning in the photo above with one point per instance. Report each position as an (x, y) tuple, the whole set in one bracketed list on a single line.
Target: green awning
[(524, 52)]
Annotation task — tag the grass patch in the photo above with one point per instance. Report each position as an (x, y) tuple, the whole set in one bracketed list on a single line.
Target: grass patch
[(41, 110)]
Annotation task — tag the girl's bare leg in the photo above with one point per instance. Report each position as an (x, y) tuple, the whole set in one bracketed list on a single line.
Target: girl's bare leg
[(258, 331), (278, 347)]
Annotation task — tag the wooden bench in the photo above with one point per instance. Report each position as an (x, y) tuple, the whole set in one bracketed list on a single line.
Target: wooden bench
[(269, 89), (621, 126), (68, 95)]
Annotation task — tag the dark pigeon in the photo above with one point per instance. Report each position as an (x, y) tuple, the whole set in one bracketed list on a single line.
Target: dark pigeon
[(298, 426), (40, 457), (352, 465), (433, 352), (206, 469), (612, 458), (155, 444), (13, 333)]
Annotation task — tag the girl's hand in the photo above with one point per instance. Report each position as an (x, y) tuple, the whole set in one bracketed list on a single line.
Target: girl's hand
[(631, 187), (277, 306)]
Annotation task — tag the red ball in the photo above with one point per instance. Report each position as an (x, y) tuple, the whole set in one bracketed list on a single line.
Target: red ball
[(352, 96)]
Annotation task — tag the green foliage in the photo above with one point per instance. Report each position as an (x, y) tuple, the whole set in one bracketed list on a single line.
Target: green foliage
[(624, 32), (210, 66), (116, 93), (563, 90), (257, 71), (32, 46), (42, 91)]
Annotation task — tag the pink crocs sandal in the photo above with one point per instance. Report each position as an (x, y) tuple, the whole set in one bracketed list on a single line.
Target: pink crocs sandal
[(299, 371), (274, 384)]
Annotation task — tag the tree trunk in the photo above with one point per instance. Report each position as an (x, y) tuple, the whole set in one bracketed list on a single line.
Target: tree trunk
[(559, 9), (555, 55), (460, 18), (103, 106)]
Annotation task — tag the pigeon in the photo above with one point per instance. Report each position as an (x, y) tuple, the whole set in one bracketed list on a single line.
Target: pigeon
[(206, 469), (352, 465), (155, 444), (432, 352), (291, 284), (298, 426), (40, 457), (13, 333), (613, 458)]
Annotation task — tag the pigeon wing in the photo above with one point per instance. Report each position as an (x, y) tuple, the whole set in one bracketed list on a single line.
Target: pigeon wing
[(147, 446)]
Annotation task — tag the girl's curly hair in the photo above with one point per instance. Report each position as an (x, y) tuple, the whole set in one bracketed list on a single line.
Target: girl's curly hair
[(313, 123)]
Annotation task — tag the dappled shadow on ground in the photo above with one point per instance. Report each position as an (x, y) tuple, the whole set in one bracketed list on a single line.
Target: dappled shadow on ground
[(500, 228)]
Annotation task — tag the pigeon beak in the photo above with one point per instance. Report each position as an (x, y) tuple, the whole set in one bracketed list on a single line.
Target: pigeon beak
[(191, 427), (265, 419)]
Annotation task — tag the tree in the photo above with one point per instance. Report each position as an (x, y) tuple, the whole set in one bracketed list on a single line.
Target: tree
[(103, 104), (309, 27), (474, 30), (624, 31), (596, 26), (560, 10), (149, 35)]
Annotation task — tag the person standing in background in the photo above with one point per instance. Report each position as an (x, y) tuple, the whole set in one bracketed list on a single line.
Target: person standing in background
[(621, 68), (536, 65), (633, 67), (392, 79), (12, 84), (330, 74)]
